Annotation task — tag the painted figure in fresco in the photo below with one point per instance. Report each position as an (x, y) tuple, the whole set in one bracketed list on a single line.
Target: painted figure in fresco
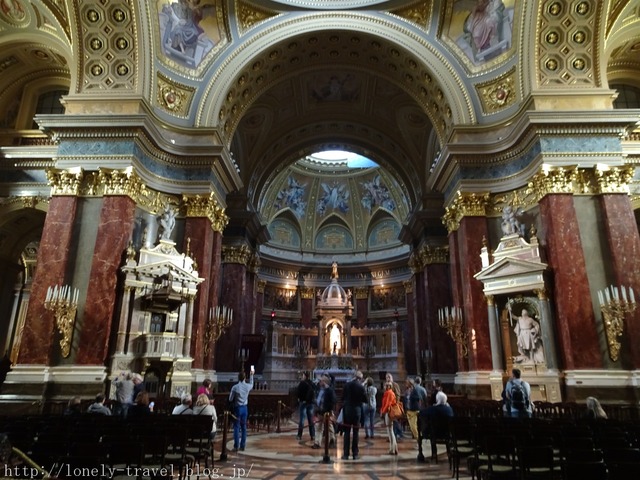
[(292, 196), (184, 37), (376, 194), (527, 330), (13, 9), (335, 196), (486, 31)]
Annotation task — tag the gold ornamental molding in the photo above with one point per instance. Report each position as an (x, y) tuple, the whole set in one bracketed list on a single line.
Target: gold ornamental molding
[(362, 293), (253, 265), (408, 286), (120, 182), (206, 206), (236, 254), (615, 179), (499, 93), (553, 181), (306, 293), (261, 286), (428, 255), (419, 13), (174, 97), (23, 202), (465, 205), (249, 15), (65, 182)]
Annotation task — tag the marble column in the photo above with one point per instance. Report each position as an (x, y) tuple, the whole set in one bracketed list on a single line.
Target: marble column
[(114, 232), (199, 235), (362, 306), (306, 306), (412, 342), (548, 331), (456, 294), (576, 326), (470, 241), (497, 360), (215, 287), (39, 344), (624, 251), (233, 295)]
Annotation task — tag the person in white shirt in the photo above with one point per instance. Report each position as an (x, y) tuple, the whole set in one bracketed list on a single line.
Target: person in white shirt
[(185, 406), (239, 400)]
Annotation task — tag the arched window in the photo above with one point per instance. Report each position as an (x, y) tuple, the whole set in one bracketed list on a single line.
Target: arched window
[(49, 102), (628, 96)]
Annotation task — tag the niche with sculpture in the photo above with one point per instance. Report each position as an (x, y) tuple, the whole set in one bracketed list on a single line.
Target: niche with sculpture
[(521, 332)]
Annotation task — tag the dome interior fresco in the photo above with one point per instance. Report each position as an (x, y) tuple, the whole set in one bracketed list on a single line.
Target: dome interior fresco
[(329, 207)]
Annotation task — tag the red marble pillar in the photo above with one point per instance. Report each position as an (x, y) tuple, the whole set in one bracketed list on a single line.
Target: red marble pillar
[(576, 327), (215, 285), (412, 342), (199, 235), (436, 285), (362, 306), (251, 318), (306, 306), (39, 344), (470, 234), (234, 291), (624, 250), (114, 232)]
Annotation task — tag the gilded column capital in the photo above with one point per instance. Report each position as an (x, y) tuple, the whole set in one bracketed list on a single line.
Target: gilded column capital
[(261, 285), (121, 182), (465, 205), (236, 254), (408, 286), (362, 293), (541, 293), (554, 180), (491, 301), (65, 182), (254, 263), (614, 179), (306, 293), (415, 262), (201, 206), (430, 255)]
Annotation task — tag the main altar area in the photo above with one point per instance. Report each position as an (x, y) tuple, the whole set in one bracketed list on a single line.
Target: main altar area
[(332, 345)]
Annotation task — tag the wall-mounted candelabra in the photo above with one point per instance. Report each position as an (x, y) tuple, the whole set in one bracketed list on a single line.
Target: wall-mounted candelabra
[(63, 302), (450, 318), (615, 303), (220, 319)]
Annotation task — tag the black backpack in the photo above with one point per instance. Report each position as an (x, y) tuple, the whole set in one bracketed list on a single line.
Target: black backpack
[(519, 399)]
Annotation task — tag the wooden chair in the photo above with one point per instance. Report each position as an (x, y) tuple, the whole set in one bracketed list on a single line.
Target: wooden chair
[(502, 459), (537, 462)]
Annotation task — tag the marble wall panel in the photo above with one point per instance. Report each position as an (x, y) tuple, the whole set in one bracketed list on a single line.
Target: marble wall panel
[(114, 232), (38, 336), (438, 295), (234, 289), (575, 321), (215, 281), (362, 311), (306, 311)]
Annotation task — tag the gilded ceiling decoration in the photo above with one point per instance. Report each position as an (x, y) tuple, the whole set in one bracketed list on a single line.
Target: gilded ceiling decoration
[(249, 15)]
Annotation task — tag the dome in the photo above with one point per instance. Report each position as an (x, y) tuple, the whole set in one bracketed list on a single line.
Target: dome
[(334, 295)]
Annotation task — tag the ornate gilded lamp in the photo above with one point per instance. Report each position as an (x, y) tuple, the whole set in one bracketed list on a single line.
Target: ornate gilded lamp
[(615, 303), (450, 318), (63, 302), (219, 320)]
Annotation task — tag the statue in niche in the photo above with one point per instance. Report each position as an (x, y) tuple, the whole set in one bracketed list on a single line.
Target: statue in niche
[(167, 222), (510, 223), (528, 336), (334, 270)]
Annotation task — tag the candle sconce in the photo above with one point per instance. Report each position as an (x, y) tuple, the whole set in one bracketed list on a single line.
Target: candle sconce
[(219, 320), (615, 303), (450, 318), (63, 302)]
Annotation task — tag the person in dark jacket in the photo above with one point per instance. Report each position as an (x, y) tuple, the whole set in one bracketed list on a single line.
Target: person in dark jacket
[(325, 404), (354, 396), (98, 406), (305, 405)]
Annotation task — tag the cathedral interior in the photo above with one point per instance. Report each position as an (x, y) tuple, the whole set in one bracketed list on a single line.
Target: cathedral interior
[(423, 187)]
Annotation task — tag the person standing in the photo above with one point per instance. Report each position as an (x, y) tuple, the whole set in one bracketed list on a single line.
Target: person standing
[(239, 400), (413, 406), (370, 407), (98, 407), (124, 393), (353, 398), (325, 404), (388, 400), (305, 405), (204, 389), (397, 428), (518, 395)]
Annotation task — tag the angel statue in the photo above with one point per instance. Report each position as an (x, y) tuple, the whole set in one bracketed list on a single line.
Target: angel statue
[(510, 223)]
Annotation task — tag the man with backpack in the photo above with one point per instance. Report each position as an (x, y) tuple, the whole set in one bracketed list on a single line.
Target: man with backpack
[(518, 395)]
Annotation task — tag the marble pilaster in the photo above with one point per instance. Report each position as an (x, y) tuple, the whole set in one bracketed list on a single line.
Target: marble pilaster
[(438, 295), (576, 327), (199, 234), (624, 250), (114, 232), (234, 291), (470, 234), (38, 338), (215, 281), (306, 311), (412, 343)]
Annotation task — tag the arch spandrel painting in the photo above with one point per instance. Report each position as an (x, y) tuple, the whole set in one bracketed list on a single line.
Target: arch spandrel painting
[(190, 30), (480, 31)]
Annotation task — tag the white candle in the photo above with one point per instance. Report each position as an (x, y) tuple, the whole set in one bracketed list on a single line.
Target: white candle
[(48, 297), (624, 293), (606, 294), (633, 297), (600, 298)]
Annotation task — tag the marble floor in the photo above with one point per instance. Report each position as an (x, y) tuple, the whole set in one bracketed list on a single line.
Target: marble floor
[(282, 456)]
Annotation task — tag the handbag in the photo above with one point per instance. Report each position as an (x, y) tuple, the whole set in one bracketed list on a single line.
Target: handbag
[(396, 412)]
